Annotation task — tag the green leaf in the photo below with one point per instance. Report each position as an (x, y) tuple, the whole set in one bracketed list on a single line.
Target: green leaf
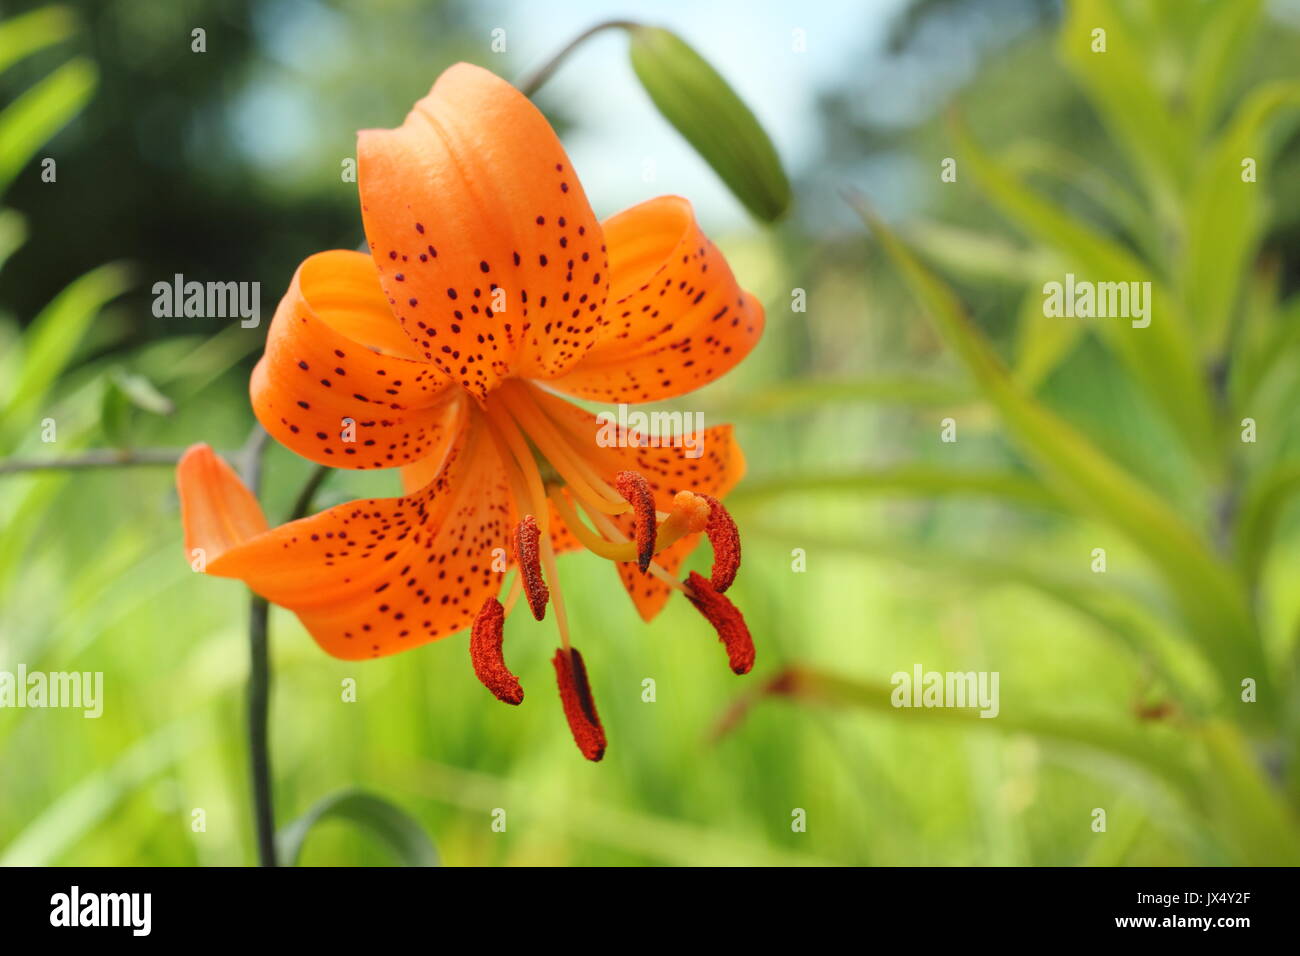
[(13, 233), (978, 255), (1143, 750), (1222, 42), (815, 394), (1261, 512), (1131, 215), (1119, 612), (1160, 355), (140, 392), (698, 102), (1213, 603), (29, 121), (55, 333), (77, 812), (24, 35), (1261, 827), (915, 479), (394, 827), (1226, 216), (123, 391), (1120, 86), (1042, 341)]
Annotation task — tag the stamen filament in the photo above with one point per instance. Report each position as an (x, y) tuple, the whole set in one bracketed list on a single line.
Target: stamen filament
[(578, 475), (593, 542), (534, 498), (516, 589), (557, 598), (609, 530)]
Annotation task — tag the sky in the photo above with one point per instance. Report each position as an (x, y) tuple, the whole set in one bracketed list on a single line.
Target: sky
[(623, 149)]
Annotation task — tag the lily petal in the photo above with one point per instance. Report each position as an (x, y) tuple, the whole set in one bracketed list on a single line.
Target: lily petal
[(339, 383), (677, 317), (218, 512), (374, 577), (485, 243)]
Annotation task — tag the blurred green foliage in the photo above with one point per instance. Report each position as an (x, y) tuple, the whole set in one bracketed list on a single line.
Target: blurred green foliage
[(1119, 690)]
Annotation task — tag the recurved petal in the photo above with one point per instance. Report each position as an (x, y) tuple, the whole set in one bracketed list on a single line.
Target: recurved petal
[(485, 242), (339, 383), (218, 512), (374, 577), (677, 318)]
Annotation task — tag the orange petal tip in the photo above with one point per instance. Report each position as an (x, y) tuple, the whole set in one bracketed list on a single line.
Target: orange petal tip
[(218, 512)]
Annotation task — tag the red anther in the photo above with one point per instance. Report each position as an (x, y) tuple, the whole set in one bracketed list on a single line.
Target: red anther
[(579, 708), (485, 652), (529, 557), (726, 620), (724, 536), (633, 486)]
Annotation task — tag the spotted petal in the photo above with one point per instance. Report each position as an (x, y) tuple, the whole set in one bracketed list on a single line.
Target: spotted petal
[(339, 383), (677, 317), (486, 245), (374, 577)]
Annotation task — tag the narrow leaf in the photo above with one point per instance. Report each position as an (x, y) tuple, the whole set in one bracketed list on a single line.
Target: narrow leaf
[(29, 121), (1212, 601), (53, 337), (29, 33), (394, 827)]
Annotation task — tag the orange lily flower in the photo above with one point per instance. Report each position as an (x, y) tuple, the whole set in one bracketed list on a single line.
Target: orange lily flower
[(490, 288)]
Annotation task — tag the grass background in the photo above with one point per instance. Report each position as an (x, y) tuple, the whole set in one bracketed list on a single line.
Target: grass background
[(829, 408)]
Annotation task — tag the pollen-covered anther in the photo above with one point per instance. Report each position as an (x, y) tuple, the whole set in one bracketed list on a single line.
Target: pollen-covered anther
[(726, 620), (724, 536), (634, 487), (485, 652), (528, 554), (579, 707)]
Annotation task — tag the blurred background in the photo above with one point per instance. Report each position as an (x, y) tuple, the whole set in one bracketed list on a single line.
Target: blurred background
[(864, 555)]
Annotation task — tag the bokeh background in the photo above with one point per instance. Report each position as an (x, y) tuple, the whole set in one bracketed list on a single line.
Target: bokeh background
[(225, 165)]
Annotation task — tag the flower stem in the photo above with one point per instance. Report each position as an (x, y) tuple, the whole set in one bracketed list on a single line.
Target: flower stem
[(259, 709), (536, 80), (259, 683), (303, 504), (95, 458)]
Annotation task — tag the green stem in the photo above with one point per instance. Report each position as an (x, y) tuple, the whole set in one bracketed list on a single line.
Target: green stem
[(95, 458), (259, 684), (535, 81), (259, 711), (303, 504)]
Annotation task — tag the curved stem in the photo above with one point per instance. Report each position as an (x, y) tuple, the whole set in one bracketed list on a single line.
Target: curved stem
[(536, 80), (308, 493)]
